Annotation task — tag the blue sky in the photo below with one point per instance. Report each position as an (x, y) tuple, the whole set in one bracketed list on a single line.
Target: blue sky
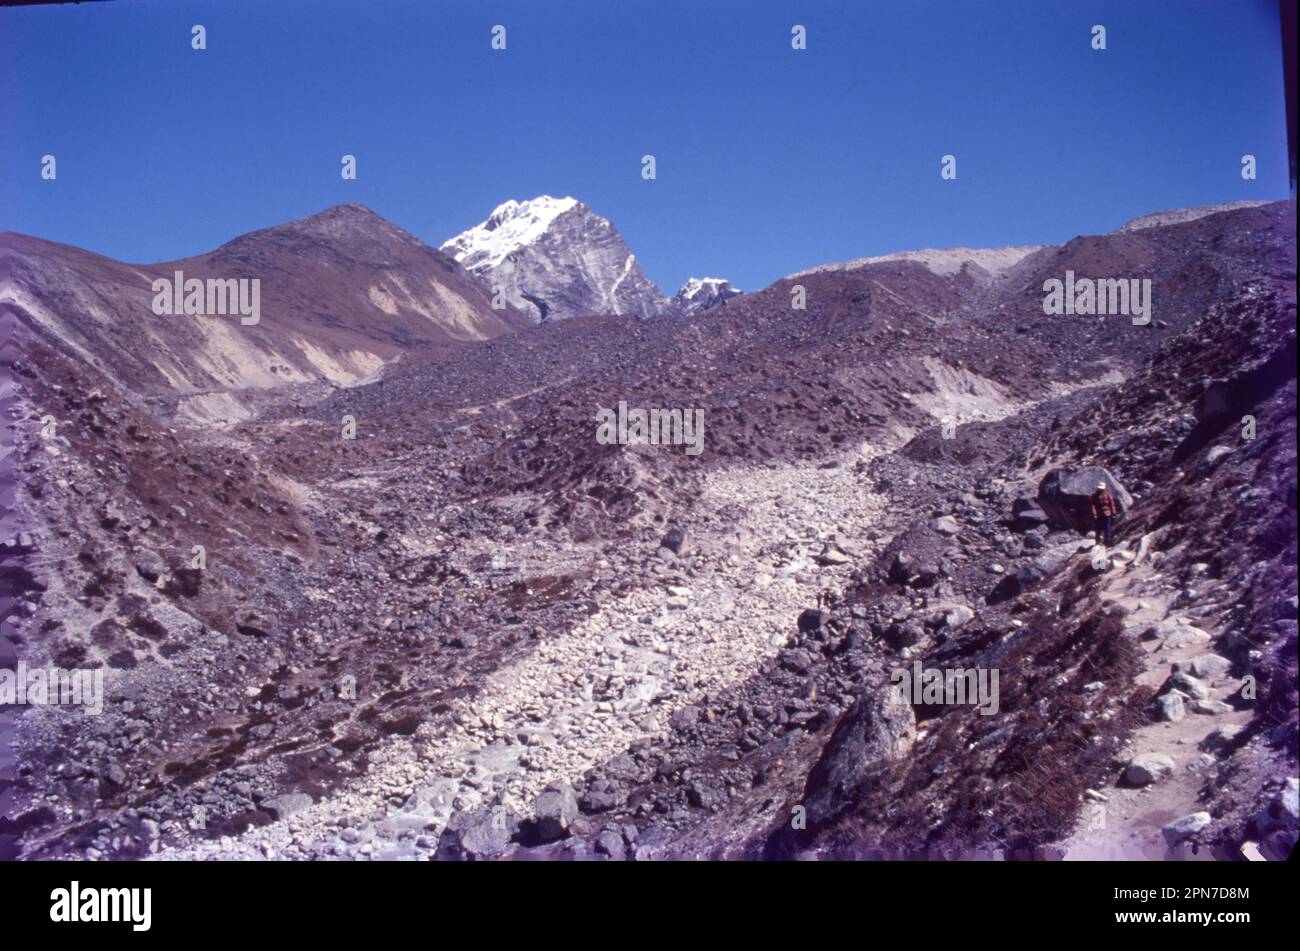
[(769, 159)]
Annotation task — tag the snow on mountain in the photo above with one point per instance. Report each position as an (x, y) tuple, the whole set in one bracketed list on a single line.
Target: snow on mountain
[(699, 294), (511, 225), (556, 258)]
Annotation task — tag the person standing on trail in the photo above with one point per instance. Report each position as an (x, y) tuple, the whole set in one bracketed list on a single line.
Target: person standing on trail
[(1104, 510)]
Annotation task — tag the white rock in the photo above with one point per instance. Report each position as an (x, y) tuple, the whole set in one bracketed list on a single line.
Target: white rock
[(1180, 829)]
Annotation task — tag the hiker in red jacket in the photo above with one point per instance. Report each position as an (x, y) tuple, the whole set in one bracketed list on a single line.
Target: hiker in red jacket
[(1104, 510)]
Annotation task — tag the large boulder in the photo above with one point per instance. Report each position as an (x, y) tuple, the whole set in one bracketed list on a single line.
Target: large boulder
[(878, 729), (477, 836), (1180, 829), (1065, 494), (1209, 666), (555, 810), (1148, 768)]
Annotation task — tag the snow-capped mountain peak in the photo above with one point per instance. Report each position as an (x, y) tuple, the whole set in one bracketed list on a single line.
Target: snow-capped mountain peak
[(512, 225), (556, 258), (694, 285), (699, 294)]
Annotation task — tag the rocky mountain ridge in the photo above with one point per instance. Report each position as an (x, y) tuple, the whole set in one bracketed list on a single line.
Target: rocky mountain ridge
[(340, 293)]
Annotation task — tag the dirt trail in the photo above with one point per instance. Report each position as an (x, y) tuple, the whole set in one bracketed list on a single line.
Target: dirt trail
[(1128, 823)]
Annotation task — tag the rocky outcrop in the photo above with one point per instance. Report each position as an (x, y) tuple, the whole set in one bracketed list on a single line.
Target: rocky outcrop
[(876, 731), (555, 810), (477, 836), (1065, 495)]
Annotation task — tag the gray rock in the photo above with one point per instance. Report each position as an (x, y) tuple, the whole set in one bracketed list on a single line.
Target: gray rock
[(811, 619), (610, 842), (831, 556), (947, 525), (1180, 829), (1065, 494), (1175, 633), (287, 805), (907, 633), (952, 615), (705, 793), (1283, 811), (1026, 515), (603, 796), (149, 565), (686, 718), (910, 570), (796, 661), (1016, 584), (1171, 706), (555, 810), (1221, 738), (1182, 681), (1209, 666), (1148, 768), (484, 834), (674, 540), (878, 729)]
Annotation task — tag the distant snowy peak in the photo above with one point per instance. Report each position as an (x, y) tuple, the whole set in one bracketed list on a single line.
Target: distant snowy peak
[(699, 294), (699, 285), (512, 225), (555, 258)]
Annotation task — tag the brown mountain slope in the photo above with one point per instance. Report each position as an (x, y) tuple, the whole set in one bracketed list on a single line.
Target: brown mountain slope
[(341, 292)]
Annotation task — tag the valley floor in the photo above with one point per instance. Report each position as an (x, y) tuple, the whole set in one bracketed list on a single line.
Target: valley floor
[(778, 536)]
